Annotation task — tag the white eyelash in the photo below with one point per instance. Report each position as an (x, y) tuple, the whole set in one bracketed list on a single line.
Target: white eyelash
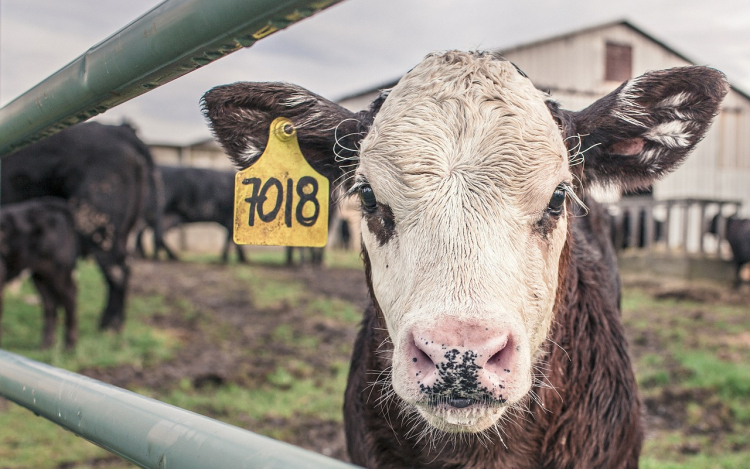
[(571, 193)]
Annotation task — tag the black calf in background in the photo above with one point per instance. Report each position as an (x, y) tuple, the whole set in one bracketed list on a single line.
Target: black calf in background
[(40, 235), (103, 171)]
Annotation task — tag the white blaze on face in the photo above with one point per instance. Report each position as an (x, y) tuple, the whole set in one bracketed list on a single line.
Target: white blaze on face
[(466, 154)]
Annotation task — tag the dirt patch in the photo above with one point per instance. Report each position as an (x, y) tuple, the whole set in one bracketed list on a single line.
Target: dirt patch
[(672, 409), (698, 295), (227, 340)]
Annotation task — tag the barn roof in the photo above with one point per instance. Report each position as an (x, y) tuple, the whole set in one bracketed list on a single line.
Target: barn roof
[(560, 37)]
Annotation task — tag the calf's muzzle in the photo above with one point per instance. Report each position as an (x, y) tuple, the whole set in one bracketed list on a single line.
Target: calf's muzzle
[(460, 363)]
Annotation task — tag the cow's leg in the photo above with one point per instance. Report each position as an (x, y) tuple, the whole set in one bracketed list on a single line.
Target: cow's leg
[(170, 254), (2, 288), (737, 276), (116, 273), (240, 253), (161, 245), (139, 243), (167, 223), (317, 256), (49, 306), (66, 292), (289, 256), (225, 249)]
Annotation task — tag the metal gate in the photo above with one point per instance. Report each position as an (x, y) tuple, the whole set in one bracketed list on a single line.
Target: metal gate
[(171, 40)]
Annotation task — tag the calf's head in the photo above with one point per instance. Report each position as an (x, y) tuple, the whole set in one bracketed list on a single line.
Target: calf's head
[(467, 174)]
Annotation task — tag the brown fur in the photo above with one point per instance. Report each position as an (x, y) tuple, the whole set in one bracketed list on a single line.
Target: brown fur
[(593, 423)]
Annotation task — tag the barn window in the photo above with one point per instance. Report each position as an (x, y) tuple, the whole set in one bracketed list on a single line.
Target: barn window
[(619, 62)]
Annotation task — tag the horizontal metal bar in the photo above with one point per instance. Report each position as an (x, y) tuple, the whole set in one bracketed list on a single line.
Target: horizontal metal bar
[(147, 432), (175, 38)]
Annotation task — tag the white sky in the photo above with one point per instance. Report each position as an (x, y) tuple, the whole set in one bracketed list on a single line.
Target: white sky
[(352, 46)]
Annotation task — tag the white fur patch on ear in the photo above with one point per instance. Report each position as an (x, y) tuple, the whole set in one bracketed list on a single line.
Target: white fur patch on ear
[(674, 101), (672, 134), (296, 99), (628, 110), (249, 154), (650, 155)]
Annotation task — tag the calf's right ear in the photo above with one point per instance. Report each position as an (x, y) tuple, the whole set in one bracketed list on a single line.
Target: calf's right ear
[(646, 127), (240, 115)]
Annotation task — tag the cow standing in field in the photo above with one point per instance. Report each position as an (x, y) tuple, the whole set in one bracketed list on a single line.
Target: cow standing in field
[(39, 235), (494, 336), (737, 233), (103, 172), (195, 195)]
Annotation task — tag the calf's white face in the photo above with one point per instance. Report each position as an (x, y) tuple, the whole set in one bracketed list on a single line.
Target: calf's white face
[(463, 172), (463, 159)]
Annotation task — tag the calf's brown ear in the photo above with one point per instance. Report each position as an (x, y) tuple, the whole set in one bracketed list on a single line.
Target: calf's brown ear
[(646, 127), (240, 115)]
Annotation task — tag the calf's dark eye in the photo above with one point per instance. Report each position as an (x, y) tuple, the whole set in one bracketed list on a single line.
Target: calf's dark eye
[(367, 196), (557, 201)]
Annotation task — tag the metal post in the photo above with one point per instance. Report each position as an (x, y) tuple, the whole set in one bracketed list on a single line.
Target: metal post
[(650, 228), (173, 39), (144, 431), (686, 215), (667, 223)]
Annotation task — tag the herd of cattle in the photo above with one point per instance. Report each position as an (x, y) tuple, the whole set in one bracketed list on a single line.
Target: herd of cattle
[(81, 193)]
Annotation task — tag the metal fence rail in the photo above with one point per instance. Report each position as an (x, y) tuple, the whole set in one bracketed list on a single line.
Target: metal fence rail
[(173, 39), (141, 430)]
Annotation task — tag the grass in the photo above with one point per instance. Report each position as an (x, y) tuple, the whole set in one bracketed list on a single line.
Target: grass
[(293, 391), (691, 358), (692, 362), (27, 441), (283, 395), (138, 345)]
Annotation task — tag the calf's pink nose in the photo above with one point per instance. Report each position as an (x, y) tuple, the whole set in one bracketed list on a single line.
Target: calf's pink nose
[(463, 361)]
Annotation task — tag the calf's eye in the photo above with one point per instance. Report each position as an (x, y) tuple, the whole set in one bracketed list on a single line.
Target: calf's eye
[(367, 196), (557, 201)]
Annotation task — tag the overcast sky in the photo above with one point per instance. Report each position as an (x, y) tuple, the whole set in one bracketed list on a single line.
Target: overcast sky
[(352, 46)]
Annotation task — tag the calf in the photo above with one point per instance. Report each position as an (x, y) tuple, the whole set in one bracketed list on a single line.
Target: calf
[(39, 235), (193, 195), (738, 236), (494, 336), (104, 172)]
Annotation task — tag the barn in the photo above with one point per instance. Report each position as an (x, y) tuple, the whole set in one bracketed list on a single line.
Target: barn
[(581, 66), (576, 69)]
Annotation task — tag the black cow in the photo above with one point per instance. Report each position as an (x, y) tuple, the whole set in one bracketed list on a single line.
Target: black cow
[(738, 235), (103, 172), (40, 235), (193, 195)]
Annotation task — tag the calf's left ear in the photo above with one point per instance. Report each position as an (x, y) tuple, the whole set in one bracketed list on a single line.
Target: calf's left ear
[(646, 127), (240, 115)]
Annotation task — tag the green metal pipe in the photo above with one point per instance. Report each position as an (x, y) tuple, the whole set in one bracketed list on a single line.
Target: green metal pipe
[(141, 430), (173, 39)]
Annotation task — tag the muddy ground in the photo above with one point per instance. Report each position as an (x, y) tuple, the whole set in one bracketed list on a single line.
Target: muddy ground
[(230, 340)]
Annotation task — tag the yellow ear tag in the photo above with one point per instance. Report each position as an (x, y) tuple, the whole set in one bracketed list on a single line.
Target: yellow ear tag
[(281, 200)]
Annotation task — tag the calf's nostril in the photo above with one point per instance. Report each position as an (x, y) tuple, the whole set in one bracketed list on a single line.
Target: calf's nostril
[(420, 357)]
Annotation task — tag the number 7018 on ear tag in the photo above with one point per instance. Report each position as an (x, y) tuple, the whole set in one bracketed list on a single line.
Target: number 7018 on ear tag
[(281, 200)]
